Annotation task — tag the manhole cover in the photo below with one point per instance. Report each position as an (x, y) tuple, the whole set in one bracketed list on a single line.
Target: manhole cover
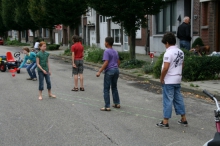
[(215, 83)]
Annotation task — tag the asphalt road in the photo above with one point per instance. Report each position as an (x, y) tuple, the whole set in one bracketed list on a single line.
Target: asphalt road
[(75, 119)]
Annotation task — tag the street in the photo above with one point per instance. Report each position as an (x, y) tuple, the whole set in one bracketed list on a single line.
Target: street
[(75, 119)]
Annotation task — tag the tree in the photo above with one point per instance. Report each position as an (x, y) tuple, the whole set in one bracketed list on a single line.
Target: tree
[(66, 12), (129, 14), (23, 18), (40, 17), (3, 29), (8, 16)]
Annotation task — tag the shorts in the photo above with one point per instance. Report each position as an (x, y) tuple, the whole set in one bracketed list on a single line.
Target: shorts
[(79, 67)]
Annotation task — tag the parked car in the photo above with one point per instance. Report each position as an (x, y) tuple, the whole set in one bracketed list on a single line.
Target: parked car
[(1, 41)]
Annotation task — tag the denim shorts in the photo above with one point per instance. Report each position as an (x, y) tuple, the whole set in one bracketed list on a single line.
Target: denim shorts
[(79, 67)]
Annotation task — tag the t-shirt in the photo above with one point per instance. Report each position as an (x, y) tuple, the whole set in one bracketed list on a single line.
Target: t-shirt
[(78, 49), (30, 56), (36, 45), (175, 57), (43, 59), (112, 56)]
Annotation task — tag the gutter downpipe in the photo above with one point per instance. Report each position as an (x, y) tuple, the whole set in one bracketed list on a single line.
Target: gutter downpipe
[(192, 19)]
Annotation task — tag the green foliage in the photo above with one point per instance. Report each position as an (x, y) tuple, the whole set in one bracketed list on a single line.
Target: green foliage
[(53, 47), (71, 11), (93, 55), (132, 16), (157, 66), (148, 68), (198, 41), (67, 52), (22, 17), (124, 55), (129, 64), (3, 28), (15, 43), (8, 15), (201, 68)]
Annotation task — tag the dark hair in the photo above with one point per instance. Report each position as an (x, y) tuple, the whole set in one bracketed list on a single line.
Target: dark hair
[(37, 40), (109, 40), (80, 39), (75, 38), (169, 38), (26, 49)]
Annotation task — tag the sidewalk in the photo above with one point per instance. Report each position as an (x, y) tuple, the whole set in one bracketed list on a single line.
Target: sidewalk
[(196, 87)]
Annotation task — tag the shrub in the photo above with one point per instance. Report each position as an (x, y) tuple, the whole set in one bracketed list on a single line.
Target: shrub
[(129, 64), (15, 43), (124, 55), (201, 68), (198, 41), (53, 47), (148, 68), (157, 66), (93, 55), (67, 52)]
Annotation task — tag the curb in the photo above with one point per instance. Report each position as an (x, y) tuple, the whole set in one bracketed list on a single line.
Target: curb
[(183, 88)]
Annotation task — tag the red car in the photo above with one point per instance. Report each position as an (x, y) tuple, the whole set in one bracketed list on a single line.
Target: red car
[(1, 41)]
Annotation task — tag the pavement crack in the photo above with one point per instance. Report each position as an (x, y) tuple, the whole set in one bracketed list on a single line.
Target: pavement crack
[(105, 134)]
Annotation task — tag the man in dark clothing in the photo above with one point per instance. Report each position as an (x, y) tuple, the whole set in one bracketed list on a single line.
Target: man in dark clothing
[(183, 33)]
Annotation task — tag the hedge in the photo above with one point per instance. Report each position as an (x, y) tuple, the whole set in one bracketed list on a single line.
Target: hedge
[(53, 47), (195, 67)]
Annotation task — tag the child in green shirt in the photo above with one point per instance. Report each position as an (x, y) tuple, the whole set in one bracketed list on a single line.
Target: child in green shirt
[(43, 70)]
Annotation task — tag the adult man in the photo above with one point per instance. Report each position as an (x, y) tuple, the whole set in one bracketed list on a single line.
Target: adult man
[(170, 79), (183, 33)]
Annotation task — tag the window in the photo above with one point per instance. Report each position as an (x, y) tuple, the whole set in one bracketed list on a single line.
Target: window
[(46, 33), (166, 19), (103, 19), (205, 14), (116, 35), (23, 33)]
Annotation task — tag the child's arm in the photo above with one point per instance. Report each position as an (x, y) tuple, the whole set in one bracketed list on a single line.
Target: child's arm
[(22, 64), (38, 65), (119, 62), (48, 64), (105, 64), (73, 56)]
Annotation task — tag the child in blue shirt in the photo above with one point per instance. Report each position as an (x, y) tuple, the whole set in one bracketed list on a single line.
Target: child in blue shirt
[(30, 68)]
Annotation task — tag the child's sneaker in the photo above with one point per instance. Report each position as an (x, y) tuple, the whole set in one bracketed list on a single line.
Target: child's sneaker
[(161, 125), (185, 123)]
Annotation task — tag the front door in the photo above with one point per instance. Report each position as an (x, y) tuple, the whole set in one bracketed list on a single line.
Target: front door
[(218, 26)]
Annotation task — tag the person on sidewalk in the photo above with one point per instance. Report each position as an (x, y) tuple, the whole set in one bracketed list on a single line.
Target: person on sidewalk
[(30, 68), (111, 63), (77, 60), (183, 33), (43, 70), (170, 79), (36, 45)]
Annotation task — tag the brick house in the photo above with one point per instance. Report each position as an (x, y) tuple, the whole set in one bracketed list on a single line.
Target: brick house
[(210, 23)]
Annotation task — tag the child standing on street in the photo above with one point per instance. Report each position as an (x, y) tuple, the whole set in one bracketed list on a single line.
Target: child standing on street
[(43, 70), (110, 66)]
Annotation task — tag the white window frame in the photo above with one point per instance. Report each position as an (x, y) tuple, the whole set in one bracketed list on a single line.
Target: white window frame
[(113, 35)]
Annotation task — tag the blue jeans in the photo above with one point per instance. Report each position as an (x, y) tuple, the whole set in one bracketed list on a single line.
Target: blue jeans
[(172, 96), (31, 70), (110, 80), (184, 45), (41, 76)]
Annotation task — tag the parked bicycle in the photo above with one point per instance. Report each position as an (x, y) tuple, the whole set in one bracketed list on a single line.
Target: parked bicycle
[(216, 140)]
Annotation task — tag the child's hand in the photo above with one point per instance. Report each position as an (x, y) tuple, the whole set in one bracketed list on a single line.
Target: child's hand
[(74, 65), (98, 74), (49, 73), (44, 72)]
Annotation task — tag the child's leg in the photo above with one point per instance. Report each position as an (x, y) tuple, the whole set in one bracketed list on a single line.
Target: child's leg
[(33, 70), (41, 83), (114, 81), (107, 82), (47, 78), (76, 81), (29, 70), (81, 80)]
